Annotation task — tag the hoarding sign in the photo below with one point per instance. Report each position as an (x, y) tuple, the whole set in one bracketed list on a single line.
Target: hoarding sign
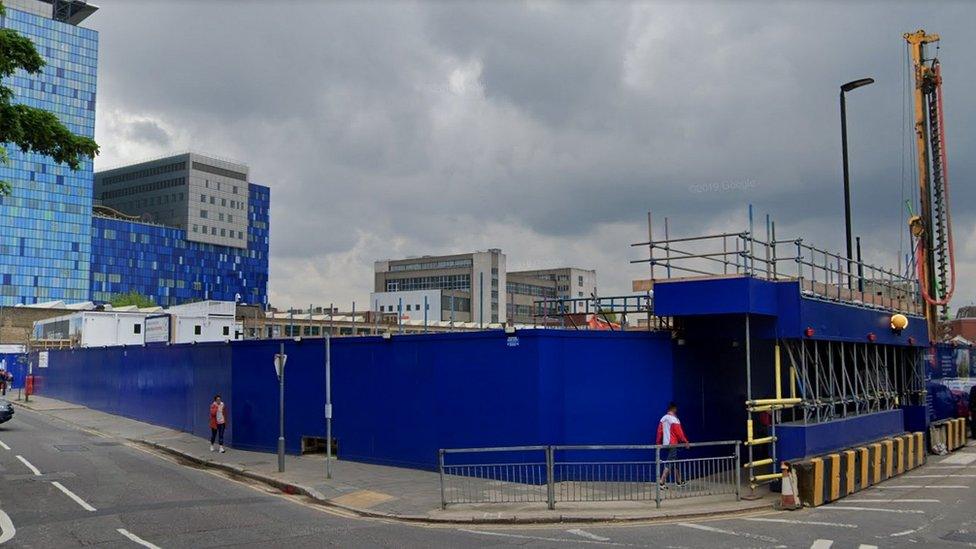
[(158, 329)]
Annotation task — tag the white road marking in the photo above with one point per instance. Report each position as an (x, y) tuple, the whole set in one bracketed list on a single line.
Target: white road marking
[(919, 487), (906, 532), (540, 538), (822, 544), (4, 446), (959, 459), (803, 522), (863, 546), (878, 509), (585, 534), (940, 476), (7, 530), (72, 495), (726, 532), (136, 538), (858, 500), (29, 466)]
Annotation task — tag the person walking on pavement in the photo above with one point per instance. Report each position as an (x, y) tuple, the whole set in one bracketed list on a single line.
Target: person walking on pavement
[(670, 433), (218, 423)]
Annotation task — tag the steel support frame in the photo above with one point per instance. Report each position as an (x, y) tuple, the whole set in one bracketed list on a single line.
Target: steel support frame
[(838, 379)]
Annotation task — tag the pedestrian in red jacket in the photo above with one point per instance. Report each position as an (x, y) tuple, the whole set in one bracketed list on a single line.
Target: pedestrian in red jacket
[(669, 433), (218, 422)]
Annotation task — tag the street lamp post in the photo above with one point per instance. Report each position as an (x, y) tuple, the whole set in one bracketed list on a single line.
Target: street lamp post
[(847, 178)]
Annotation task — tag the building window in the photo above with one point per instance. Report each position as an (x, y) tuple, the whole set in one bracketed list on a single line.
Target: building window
[(197, 329), (230, 218), (408, 306), (223, 232), (137, 329), (580, 280), (226, 330), (203, 198), (203, 214), (211, 200), (195, 229), (223, 202)]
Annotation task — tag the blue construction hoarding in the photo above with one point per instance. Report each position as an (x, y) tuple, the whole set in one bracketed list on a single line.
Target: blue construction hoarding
[(396, 401)]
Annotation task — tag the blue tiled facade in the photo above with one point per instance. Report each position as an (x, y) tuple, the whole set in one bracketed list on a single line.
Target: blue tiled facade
[(160, 262), (46, 223)]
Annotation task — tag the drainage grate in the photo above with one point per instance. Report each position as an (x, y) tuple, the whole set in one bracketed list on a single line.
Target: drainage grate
[(71, 447)]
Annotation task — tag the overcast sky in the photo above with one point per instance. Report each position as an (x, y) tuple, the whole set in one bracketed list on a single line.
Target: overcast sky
[(546, 129)]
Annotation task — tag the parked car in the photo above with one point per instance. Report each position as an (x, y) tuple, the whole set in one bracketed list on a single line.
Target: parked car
[(6, 411)]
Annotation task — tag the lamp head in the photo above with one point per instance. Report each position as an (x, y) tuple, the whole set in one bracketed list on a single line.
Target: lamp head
[(854, 84)]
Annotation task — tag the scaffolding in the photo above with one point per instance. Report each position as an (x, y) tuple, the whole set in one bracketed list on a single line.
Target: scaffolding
[(820, 273), (824, 380), (629, 311), (837, 379)]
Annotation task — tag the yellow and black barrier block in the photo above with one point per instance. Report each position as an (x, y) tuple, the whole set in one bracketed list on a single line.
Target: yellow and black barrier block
[(876, 463), (831, 477), (810, 481), (864, 470), (920, 452), (850, 472), (888, 458)]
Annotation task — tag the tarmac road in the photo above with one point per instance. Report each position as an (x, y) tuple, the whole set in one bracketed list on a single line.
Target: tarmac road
[(65, 487)]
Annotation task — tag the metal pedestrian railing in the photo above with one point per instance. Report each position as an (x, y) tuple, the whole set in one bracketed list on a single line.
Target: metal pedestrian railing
[(591, 473)]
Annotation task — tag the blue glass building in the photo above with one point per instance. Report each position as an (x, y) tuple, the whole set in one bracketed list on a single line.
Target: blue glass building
[(46, 223), (160, 262), (52, 247)]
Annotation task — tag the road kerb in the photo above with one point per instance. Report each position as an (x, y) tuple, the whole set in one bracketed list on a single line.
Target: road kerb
[(319, 499)]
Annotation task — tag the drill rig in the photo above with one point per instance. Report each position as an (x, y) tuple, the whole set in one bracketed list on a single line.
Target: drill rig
[(931, 229)]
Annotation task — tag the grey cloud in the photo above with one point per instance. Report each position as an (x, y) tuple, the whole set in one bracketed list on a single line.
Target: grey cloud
[(580, 115), (147, 131)]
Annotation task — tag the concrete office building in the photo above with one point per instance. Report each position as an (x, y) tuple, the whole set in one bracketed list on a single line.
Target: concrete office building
[(570, 282), (471, 285), (206, 196)]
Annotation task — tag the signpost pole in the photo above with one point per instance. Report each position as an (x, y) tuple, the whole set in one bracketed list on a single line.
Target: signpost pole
[(281, 409)]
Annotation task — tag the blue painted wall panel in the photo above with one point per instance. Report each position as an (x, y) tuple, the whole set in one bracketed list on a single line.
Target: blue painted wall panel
[(171, 386), (715, 296), (396, 401), (797, 440)]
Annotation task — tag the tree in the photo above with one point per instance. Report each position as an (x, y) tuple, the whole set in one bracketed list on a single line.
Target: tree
[(131, 297), (29, 128)]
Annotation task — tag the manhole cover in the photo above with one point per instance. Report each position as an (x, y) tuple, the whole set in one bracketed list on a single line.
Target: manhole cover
[(71, 447)]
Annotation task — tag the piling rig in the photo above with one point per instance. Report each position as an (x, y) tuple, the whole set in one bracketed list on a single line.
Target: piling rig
[(931, 228)]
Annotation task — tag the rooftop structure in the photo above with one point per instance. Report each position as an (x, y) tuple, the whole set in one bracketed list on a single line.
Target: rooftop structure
[(204, 195), (71, 12)]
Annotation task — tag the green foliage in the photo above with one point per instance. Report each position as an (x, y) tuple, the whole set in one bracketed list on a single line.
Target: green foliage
[(29, 128), (131, 298)]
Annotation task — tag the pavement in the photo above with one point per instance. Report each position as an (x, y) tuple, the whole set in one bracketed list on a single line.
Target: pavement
[(378, 491), (64, 485)]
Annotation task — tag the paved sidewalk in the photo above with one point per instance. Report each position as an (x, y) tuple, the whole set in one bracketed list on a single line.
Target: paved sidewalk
[(376, 490)]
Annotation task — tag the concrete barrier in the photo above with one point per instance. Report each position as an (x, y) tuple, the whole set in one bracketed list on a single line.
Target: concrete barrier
[(831, 477), (948, 435)]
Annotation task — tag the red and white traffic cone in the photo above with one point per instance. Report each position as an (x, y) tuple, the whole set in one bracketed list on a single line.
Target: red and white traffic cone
[(788, 496)]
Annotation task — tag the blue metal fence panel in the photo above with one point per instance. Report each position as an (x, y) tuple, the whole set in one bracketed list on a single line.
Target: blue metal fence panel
[(396, 401)]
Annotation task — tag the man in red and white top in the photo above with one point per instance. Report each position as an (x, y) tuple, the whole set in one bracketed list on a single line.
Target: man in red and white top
[(670, 433)]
